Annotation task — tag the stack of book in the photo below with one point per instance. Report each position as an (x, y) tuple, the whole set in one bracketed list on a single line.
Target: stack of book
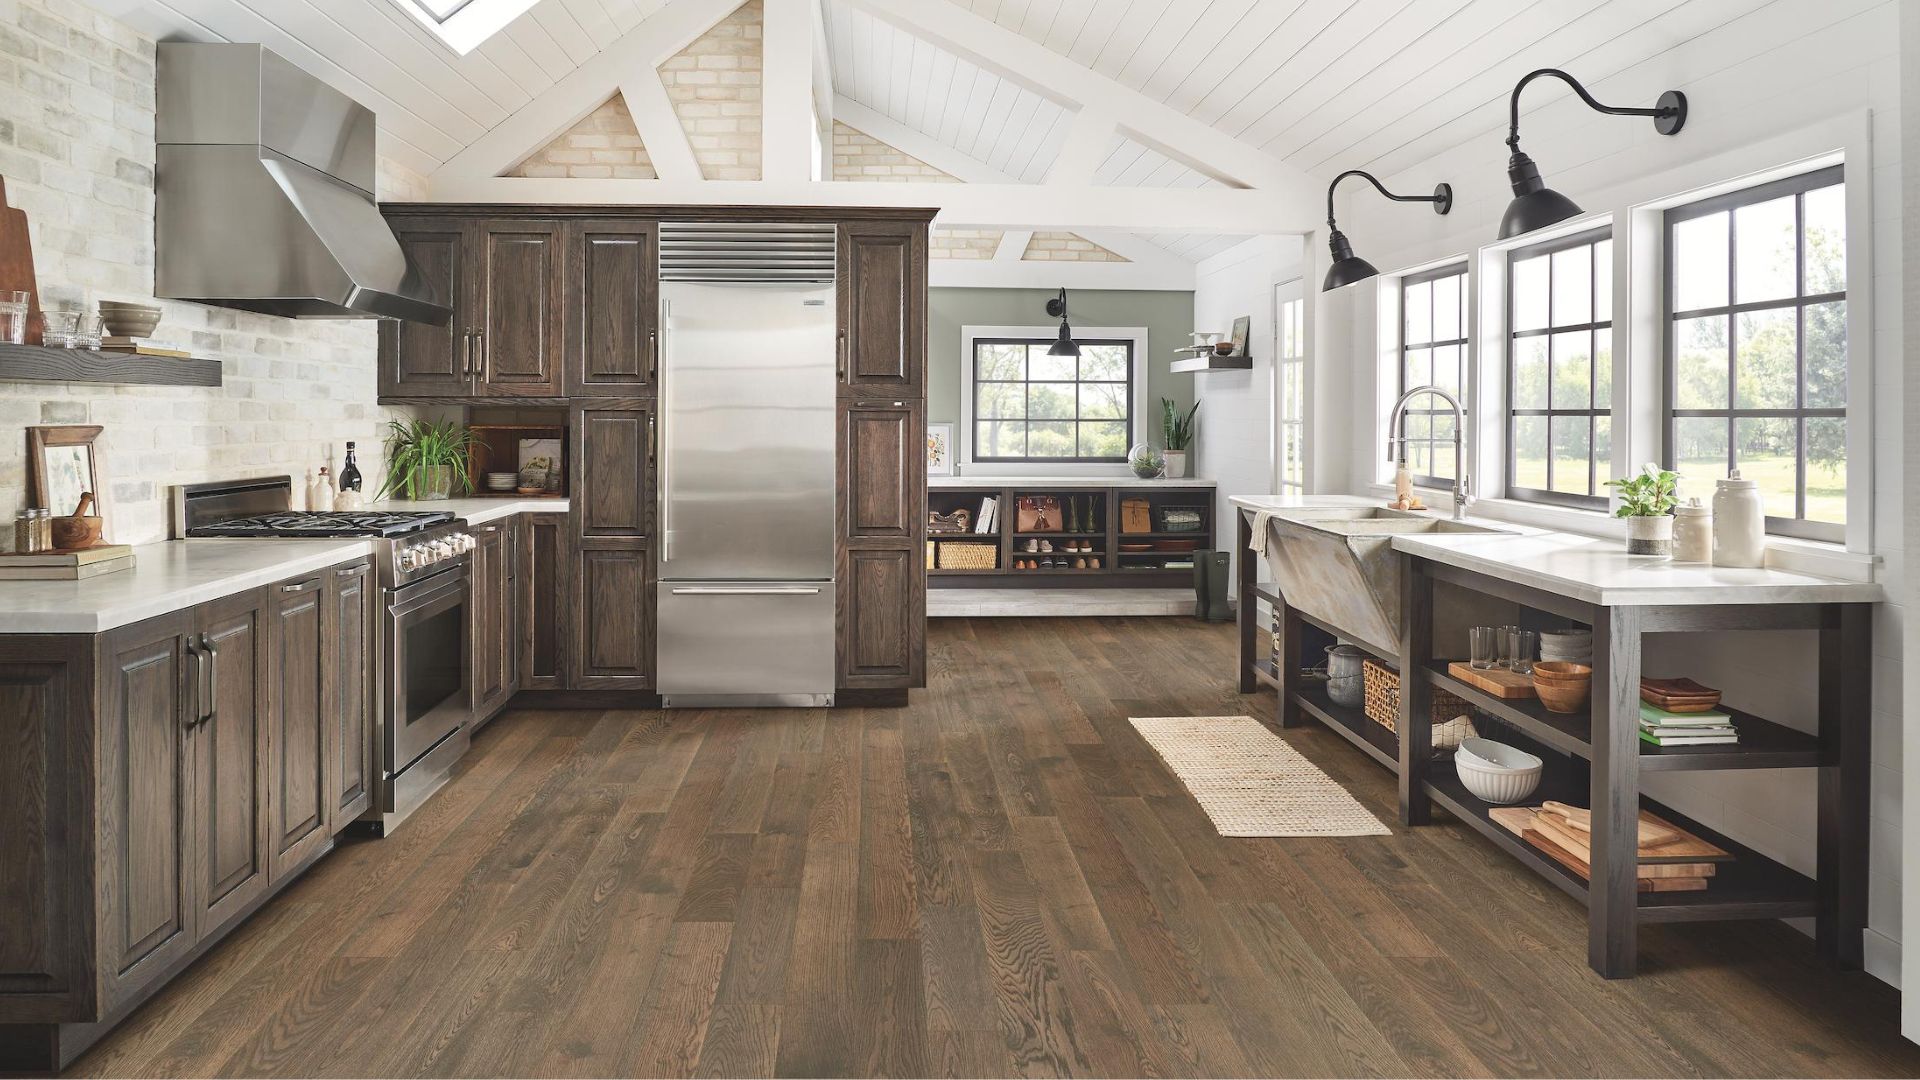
[(66, 565), (1681, 712), (989, 517)]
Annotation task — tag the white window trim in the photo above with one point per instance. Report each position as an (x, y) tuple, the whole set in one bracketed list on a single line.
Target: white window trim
[(468, 28), (1138, 420), (1639, 340)]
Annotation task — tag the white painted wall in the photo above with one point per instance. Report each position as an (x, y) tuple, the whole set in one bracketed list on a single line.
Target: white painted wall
[(1909, 450), (1765, 88), (1234, 434)]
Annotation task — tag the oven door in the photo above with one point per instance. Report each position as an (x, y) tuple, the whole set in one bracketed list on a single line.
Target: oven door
[(429, 666)]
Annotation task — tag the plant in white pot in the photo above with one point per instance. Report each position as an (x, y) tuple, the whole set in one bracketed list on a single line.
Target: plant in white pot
[(1178, 431), (1647, 500), (426, 459)]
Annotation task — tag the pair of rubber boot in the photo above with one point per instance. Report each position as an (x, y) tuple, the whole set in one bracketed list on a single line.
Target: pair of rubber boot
[(1212, 570)]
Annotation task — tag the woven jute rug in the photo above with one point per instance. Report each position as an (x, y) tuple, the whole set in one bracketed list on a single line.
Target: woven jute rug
[(1250, 782)]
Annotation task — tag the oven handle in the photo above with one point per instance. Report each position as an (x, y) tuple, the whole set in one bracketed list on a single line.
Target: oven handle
[(406, 601), (747, 590)]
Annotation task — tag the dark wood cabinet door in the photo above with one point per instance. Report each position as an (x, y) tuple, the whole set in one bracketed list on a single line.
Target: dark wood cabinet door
[(347, 634), (494, 630), (545, 587), (228, 809), (614, 599), (883, 290), (297, 765), (883, 461), (613, 305), (517, 307), (614, 444), (883, 617), (150, 690), (418, 360)]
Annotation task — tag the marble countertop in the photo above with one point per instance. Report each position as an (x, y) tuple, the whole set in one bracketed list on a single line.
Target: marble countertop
[(166, 577), (992, 483), (479, 511), (1596, 570)]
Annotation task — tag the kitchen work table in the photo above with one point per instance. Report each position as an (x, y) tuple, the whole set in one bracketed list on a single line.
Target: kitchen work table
[(1596, 757)]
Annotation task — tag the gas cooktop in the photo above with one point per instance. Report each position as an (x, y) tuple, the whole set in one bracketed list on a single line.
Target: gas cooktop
[(311, 523)]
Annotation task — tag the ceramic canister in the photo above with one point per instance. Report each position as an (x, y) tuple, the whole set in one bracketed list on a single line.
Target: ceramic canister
[(1739, 523), (1693, 533)]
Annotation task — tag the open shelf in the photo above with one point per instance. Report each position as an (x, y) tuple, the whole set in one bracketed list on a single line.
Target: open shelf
[(1352, 724), (41, 363)]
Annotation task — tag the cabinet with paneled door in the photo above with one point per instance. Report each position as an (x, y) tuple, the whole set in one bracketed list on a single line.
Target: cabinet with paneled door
[(504, 278), (347, 630), (612, 307), (883, 521), (543, 592), (496, 629), (613, 598), (882, 270)]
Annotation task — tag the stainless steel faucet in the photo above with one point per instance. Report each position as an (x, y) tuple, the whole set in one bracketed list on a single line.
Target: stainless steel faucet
[(1397, 440)]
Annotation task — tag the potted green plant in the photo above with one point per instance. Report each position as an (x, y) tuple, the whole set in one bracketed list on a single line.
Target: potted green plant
[(1647, 500), (1178, 431), (426, 459)]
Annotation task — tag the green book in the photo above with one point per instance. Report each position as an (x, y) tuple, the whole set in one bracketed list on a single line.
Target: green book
[(1688, 740), (1659, 717)]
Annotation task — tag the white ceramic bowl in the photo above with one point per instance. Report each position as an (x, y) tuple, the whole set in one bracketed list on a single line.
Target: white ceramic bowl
[(1496, 772)]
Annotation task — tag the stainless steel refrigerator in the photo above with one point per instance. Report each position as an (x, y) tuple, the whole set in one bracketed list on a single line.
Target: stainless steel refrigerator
[(746, 465)]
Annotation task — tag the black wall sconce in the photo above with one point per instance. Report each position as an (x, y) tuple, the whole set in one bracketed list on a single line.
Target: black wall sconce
[(1065, 346), (1347, 267), (1535, 205)]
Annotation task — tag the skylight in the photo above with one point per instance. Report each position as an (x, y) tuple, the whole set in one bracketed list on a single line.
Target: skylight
[(464, 24)]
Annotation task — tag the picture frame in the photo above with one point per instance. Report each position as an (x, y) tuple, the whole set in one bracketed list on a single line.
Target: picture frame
[(62, 463), (1241, 327), (940, 449), (540, 465)]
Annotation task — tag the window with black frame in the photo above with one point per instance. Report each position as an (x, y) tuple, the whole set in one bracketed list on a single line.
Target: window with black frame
[(1560, 370), (1029, 406), (1756, 371), (1433, 351)]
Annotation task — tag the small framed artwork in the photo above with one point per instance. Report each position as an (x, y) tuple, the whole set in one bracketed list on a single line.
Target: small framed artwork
[(939, 449), (1239, 335), (540, 466), (63, 466)]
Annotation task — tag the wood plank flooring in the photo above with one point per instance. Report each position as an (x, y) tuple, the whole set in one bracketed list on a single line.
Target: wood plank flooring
[(1000, 880)]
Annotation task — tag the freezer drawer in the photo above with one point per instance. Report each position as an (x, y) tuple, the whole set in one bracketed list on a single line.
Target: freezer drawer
[(746, 643)]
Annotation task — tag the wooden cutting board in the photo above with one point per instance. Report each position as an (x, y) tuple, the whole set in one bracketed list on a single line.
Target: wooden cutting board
[(1580, 845), (16, 261), (1660, 841), (1499, 682), (1579, 866)]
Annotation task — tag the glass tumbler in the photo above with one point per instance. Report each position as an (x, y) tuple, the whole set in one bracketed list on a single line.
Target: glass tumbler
[(60, 329), (1484, 641), (13, 317), (1520, 646)]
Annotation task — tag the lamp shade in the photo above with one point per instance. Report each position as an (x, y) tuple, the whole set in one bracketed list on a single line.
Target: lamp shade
[(1065, 346)]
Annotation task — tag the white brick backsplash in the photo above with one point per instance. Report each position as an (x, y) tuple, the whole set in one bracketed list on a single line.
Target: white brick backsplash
[(76, 148)]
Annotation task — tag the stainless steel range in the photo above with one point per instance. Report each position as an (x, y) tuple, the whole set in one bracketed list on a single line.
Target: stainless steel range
[(425, 681)]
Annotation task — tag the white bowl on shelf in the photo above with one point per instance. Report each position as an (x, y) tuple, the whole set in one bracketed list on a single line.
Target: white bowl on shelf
[(1495, 772)]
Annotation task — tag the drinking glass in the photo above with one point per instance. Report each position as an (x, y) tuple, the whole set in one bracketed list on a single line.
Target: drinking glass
[(1502, 646), (1520, 645), (89, 332), (1485, 645), (60, 329), (13, 317)]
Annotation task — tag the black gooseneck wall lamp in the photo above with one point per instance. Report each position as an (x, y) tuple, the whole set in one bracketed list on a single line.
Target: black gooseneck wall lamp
[(1535, 205), (1347, 267), (1065, 346)]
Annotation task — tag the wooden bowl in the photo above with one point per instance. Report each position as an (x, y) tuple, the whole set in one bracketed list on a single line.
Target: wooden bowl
[(1135, 547), (76, 532), (1175, 545), (1562, 670), (1562, 699)]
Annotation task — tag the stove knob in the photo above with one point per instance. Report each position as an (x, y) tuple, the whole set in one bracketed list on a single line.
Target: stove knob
[(409, 558), (442, 549)]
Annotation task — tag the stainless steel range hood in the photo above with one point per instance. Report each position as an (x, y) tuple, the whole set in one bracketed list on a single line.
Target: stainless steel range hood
[(264, 193)]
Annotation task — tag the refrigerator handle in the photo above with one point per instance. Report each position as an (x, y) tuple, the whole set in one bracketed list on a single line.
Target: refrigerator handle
[(653, 355), (663, 475), (841, 354)]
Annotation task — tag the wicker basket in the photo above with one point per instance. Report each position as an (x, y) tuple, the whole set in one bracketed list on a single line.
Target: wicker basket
[(1452, 715), (969, 555), (932, 550)]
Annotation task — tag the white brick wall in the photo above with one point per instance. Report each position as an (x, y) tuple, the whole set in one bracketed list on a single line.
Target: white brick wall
[(76, 148), (1066, 247), (603, 144), (859, 156), (963, 243), (714, 85)]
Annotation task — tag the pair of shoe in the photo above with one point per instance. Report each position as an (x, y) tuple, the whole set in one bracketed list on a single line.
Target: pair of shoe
[(1035, 545), (1080, 546)]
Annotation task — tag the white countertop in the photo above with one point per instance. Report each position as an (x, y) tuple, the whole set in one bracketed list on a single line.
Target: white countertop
[(1593, 569), (177, 574), (991, 483)]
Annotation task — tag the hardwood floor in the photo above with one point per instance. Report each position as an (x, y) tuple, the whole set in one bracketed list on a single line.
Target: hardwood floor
[(1002, 879)]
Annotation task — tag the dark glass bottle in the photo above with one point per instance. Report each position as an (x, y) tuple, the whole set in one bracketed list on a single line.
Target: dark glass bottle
[(350, 473)]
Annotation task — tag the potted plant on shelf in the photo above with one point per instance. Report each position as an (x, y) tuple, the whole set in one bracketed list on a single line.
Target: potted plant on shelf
[(426, 459), (1647, 501), (1179, 435)]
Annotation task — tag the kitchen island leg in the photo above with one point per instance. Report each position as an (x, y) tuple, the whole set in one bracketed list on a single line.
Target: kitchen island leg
[(1845, 785), (1613, 916), (1249, 606), (1416, 693)]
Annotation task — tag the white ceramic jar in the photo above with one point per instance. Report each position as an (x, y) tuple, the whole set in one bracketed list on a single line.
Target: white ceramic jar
[(1693, 533), (1739, 523)]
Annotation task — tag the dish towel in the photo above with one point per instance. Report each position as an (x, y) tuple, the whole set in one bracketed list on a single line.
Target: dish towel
[(1261, 533)]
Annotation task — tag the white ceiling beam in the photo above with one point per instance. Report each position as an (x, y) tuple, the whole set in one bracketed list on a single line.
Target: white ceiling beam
[(916, 143), (988, 274), (582, 90), (987, 206), (822, 90), (659, 126), (1013, 244), (786, 79), (1088, 138), (1033, 65)]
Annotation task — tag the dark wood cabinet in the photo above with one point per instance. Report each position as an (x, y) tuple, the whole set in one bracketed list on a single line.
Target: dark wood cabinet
[(230, 862), (883, 618), (614, 445), (614, 602), (297, 760), (347, 631), (416, 359), (495, 630), (544, 586), (883, 460), (612, 307), (883, 322)]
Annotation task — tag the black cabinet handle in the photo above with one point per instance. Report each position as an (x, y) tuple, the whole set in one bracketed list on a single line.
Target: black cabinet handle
[(213, 678), (653, 353), (197, 693), (466, 358), (842, 350)]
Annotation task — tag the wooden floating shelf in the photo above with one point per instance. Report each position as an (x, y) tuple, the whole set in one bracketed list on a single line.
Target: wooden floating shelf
[(41, 364)]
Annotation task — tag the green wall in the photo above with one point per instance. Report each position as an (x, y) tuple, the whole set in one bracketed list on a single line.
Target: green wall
[(1168, 317)]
